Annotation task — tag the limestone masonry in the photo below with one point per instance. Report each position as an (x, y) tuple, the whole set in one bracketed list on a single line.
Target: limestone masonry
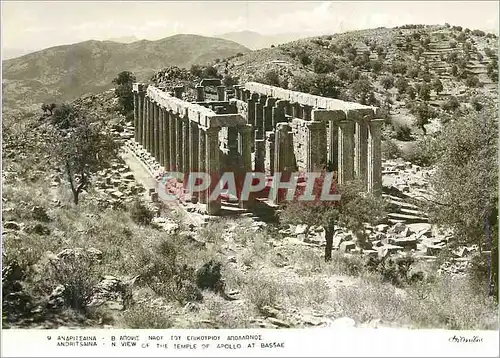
[(259, 128)]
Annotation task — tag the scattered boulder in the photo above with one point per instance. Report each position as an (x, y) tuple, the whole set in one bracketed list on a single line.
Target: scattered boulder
[(278, 322), (347, 246), (12, 225), (301, 229)]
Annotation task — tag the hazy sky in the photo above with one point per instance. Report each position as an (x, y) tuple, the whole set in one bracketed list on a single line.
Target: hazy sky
[(36, 25)]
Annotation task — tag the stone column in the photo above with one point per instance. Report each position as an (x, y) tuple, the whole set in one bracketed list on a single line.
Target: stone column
[(178, 141), (245, 95), (136, 116), (333, 144), (269, 158), (245, 150), (259, 116), (283, 153), (166, 139), (251, 109), (178, 91), (152, 106), (161, 137), (375, 156), (306, 112), (316, 155), (173, 141), (221, 93), (260, 152), (202, 160), (200, 94), (194, 146), (156, 132), (186, 145), (267, 121), (237, 93), (279, 112), (213, 167), (140, 126), (346, 151), (147, 126), (361, 148), (145, 112)]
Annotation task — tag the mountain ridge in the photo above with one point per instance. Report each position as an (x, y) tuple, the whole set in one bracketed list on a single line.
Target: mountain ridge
[(65, 72)]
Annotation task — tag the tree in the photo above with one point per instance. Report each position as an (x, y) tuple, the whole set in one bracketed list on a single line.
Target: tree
[(424, 93), (401, 84), (210, 72), (361, 89), (411, 92), (355, 208), (387, 82), (376, 65), (472, 81), (437, 85), (466, 182), (82, 149), (229, 81), (123, 91), (422, 115)]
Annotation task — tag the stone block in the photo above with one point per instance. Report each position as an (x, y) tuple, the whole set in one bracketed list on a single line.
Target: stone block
[(409, 243), (347, 246)]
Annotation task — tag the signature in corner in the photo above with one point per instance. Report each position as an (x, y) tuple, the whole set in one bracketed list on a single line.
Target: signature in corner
[(462, 339)]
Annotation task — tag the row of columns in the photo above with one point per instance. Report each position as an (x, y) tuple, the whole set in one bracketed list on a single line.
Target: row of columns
[(353, 143), (181, 145)]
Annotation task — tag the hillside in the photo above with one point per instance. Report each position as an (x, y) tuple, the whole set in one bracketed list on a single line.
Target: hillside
[(66, 72), (121, 258), (256, 41)]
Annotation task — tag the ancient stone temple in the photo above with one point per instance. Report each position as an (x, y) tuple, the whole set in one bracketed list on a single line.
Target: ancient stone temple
[(258, 128)]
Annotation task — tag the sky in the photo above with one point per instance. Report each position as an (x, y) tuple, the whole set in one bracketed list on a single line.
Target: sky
[(37, 25)]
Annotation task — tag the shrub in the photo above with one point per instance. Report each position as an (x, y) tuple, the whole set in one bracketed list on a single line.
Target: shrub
[(265, 292), (209, 276), (387, 82), (401, 84), (78, 274), (451, 104), (323, 66), (140, 213), (160, 271), (403, 132), (390, 150), (472, 81), (143, 317), (304, 59)]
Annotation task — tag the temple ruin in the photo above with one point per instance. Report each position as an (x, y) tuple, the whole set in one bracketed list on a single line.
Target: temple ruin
[(259, 128)]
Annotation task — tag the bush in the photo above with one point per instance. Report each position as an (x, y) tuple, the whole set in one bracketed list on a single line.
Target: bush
[(401, 84), (209, 276), (390, 150), (140, 213), (143, 317), (78, 274), (451, 104), (160, 271), (396, 270), (403, 132), (387, 82), (323, 66), (304, 59), (472, 81), (479, 271)]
